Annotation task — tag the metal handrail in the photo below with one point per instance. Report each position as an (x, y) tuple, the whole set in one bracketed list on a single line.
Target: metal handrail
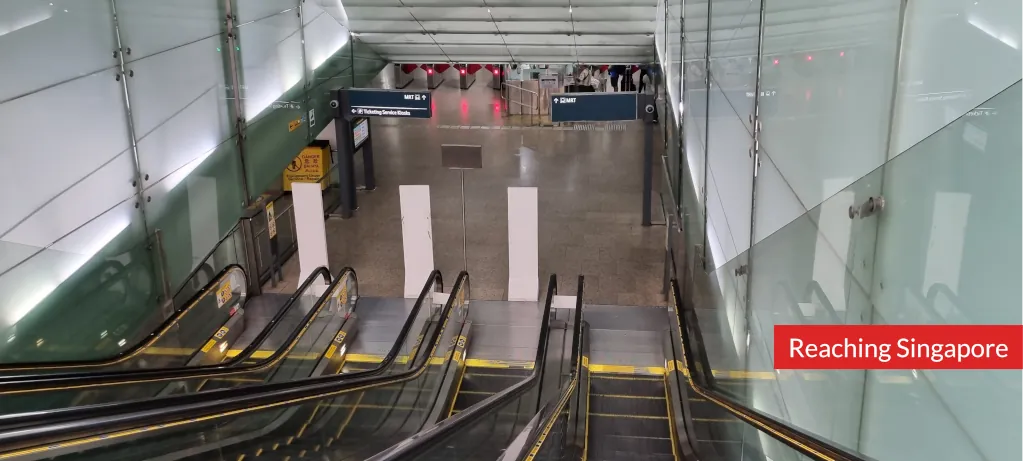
[(506, 87)]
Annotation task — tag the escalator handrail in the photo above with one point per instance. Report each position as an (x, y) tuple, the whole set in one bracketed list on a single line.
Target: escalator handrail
[(807, 444), (28, 433), (76, 380), (423, 441), (202, 262), (135, 350), (551, 411)]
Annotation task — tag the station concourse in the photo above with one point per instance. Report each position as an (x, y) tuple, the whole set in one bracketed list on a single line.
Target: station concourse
[(502, 230)]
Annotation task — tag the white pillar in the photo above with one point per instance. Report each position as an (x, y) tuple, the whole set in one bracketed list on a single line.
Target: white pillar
[(417, 237), (523, 277), (310, 233)]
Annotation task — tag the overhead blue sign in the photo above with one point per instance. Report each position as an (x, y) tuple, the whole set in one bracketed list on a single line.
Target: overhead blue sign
[(387, 103), (593, 107)]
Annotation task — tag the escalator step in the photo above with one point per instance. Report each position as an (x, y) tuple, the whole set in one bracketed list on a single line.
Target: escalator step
[(611, 404), (640, 386), (627, 425), (635, 445), (490, 379), (466, 399)]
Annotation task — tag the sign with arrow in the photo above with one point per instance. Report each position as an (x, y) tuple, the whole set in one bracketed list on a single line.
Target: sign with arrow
[(593, 107), (362, 102)]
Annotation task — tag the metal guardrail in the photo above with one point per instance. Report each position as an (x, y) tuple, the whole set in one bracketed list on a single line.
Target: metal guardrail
[(506, 96)]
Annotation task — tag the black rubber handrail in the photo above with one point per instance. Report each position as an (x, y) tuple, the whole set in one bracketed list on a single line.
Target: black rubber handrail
[(538, 435), (138, 347), (805, 443), (206, 258), (36, 432), (63, 381), (440, 432)]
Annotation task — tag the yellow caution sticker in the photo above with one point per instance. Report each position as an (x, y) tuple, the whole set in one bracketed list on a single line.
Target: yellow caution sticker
[(586, 362), (294, 124), (221, 333), (271, 220), (209, 345), (340, 337), (330, 351), (458, 356), (224, 293)]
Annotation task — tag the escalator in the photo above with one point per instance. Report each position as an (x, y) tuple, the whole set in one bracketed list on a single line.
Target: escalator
[(297, 417), (616, 412), (177, 341), (627, 417), (296, 343), (607, 414)]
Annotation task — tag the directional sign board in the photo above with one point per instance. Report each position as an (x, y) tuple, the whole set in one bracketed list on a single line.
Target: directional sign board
[(594, 107), (386, 103)]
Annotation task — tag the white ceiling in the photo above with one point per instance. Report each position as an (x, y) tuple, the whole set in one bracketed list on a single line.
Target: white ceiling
[(502, 31)]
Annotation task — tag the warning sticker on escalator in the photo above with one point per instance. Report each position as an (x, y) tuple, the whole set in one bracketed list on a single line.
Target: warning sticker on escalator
[(224, 293)]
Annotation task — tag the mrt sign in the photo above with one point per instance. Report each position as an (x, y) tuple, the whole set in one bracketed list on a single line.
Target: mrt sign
[(361, 102), (594, 107)]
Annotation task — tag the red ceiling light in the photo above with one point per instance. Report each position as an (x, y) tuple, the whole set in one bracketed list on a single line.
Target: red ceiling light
[(462, 71), (430, 70), (842, 53), (810, 58), (776, 62), (495, 71)]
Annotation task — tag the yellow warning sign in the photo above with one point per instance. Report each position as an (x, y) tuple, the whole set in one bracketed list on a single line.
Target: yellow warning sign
[(209, 345), (224, 293), (330, 351), (271, 220), (221, 333), (294, 124), (311, 165)]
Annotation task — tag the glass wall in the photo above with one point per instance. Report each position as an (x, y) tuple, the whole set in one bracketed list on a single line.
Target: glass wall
[(137, 132), (794, 115)]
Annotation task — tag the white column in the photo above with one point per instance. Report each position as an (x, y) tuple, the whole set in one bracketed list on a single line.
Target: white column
[(523, 279), (417, 237), (310, 233)]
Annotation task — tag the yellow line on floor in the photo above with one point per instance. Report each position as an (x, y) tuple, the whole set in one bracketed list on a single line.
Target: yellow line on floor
[(626, 369)]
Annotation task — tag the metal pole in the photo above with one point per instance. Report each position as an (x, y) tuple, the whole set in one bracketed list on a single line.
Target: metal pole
[(165, 283), (138, 181), (648, 164), (465, 253), (236, 100)]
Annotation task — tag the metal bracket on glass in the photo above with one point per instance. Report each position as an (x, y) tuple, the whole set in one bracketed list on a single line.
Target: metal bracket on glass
[(742, 270), (871, 206)]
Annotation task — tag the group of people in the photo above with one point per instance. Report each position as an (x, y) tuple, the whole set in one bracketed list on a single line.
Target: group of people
[(615, 79)]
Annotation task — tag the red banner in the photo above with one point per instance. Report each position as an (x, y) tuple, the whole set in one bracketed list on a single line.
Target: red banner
[(898, 347)]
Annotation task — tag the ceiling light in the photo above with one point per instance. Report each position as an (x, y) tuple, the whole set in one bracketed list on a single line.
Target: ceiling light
[(570, 9)]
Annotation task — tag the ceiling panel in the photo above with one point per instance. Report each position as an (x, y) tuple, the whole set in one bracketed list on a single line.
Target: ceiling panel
[(492, 31)]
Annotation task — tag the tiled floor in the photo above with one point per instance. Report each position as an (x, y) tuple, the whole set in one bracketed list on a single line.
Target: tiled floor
[(589, 185)]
